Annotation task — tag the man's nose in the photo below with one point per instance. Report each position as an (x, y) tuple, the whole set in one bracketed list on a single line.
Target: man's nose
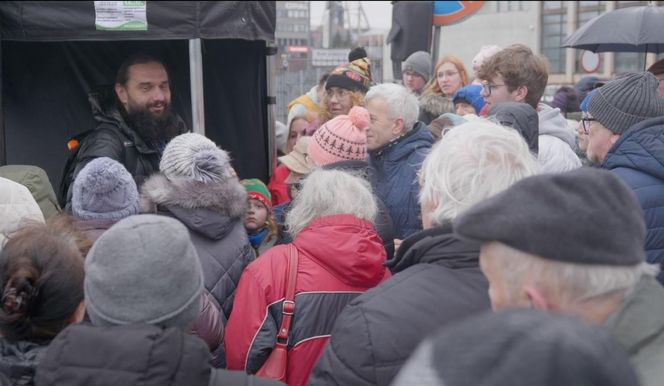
[(158, 95)]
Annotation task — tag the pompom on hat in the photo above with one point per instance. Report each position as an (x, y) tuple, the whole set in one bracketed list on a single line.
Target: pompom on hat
[(192, 156), (342, 138)]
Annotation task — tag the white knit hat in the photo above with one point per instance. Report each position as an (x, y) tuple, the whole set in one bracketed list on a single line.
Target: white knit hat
[(191, 156)]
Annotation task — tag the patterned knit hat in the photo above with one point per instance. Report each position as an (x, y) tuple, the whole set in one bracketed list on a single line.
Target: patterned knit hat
[(257, 190), (342, 138), (192, 156), (354, 76), (624, 102)]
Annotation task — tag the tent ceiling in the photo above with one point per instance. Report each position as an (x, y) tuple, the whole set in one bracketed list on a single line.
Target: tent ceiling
[(75, 20)]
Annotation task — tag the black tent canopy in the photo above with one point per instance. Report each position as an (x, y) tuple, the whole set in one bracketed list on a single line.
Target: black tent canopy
[(52, 56)]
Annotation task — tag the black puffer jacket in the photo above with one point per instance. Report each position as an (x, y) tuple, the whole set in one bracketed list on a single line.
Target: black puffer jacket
[(113, 138), (129, 355), (437, 281), (213, 214), (18, 362)]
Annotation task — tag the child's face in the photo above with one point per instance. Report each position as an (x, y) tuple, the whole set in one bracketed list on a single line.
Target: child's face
[(464, 109), (256, 215)]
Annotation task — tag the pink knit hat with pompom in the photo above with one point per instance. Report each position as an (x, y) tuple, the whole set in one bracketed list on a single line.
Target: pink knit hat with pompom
[(342, 138)]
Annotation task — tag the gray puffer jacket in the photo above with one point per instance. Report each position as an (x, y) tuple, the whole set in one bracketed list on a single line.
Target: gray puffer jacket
[(213, 214)]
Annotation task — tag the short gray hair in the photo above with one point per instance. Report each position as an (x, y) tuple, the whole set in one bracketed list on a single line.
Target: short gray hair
[(328, 193), (401, 103), (569, 283), (472, 162)]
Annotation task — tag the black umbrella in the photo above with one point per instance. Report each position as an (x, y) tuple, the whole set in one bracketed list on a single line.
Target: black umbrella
[(634, 29)]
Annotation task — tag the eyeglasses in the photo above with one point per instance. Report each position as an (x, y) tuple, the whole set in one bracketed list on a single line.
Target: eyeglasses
[(339, 93), (486, 87), (586, 126)]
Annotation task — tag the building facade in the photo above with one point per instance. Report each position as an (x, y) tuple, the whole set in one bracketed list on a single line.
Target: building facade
[(543, 26)]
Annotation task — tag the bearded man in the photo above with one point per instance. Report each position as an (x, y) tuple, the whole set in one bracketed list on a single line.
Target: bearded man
[(135, 122)]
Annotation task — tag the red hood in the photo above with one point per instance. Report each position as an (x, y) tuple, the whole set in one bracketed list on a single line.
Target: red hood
[(347, 247)]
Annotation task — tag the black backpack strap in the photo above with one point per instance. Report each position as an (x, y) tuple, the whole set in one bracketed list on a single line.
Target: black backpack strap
[(130, 156)]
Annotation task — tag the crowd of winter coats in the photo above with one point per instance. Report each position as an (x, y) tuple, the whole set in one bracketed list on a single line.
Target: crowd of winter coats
[(443, 232)]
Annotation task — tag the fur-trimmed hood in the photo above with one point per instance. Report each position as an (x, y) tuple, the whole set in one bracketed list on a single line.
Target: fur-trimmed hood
[(228, 198), (435, 105)]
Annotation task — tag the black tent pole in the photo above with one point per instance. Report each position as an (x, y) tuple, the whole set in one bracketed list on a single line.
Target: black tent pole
[(3, 149)]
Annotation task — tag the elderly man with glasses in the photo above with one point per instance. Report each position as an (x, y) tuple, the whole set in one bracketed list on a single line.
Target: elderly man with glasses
[(625, 125)]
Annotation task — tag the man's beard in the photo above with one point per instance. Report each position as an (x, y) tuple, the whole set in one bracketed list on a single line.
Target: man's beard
[(150, 126)]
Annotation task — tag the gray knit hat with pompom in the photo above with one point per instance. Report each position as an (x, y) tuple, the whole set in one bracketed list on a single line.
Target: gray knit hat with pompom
[(104, 190), (194, 157)]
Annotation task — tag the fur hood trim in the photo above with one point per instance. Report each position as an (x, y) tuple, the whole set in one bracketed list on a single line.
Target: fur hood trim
[(228, 198), (436, 104)]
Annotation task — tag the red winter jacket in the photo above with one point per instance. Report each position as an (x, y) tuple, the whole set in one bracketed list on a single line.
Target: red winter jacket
[(277, 186), (340, 257)]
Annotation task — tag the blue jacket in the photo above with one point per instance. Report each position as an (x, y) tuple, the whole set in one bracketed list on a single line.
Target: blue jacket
[(638, 159), (393, 171)]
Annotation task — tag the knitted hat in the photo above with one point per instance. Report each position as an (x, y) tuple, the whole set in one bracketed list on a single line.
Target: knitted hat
[(257, 190), (624, 102), (657, 68), (104, 190), (420, 63), (342, 138), (191, 156), (354, 76), (144, 269), (297, 160), (470, 95), (586, 216)]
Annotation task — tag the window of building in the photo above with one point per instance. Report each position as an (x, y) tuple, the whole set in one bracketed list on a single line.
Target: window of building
[(554, 32), (508, 6)]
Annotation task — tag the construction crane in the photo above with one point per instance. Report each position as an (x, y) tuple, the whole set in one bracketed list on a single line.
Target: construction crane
[(343, 23)]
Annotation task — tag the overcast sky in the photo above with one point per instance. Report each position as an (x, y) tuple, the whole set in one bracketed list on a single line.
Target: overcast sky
[(379, 13)]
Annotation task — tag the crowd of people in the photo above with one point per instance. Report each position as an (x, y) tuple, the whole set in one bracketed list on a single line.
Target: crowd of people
[(453, 230)]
